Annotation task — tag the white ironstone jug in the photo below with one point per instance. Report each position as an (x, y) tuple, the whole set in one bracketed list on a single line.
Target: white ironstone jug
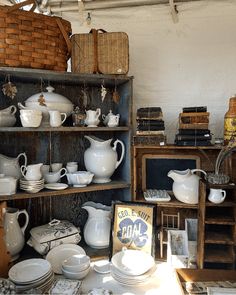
[(101, 159), (10, 166), (14, 234), (185, 185), (97, 227)]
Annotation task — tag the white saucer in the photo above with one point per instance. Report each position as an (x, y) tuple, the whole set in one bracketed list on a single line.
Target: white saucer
[(79, 185), (56, 186)]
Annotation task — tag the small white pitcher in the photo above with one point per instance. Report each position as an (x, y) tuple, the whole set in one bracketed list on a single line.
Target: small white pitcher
[(32, 172), (92, 118), (56, 118), (217, 196)]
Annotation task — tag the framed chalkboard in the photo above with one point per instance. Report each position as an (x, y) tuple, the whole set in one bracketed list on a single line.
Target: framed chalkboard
[(156, 167)]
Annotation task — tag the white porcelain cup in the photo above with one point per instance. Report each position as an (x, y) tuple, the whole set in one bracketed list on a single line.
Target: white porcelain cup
[(56, 167), (53, 177), (56, 119), (72, 167), (217, 196), (32, 172)]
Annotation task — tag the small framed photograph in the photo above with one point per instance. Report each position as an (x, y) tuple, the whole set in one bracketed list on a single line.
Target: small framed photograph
[(133, 227)]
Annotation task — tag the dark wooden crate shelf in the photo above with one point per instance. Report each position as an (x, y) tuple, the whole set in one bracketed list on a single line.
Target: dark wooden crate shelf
[(212, 237), (224, 204), (220, 255)]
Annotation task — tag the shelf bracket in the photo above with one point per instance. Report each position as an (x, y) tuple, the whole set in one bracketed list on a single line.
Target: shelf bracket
[(174, 11)]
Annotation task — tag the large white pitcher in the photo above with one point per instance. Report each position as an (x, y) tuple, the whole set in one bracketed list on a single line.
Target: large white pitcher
[(185, 185), (101, 159), (14, 234), (97, 227), (10, 166)]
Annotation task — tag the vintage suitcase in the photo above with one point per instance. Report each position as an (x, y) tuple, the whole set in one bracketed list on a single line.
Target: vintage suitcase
[(100, 52)]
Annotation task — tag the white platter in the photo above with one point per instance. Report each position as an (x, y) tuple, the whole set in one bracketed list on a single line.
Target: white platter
[(29, 270), (58, 254), (220, 291), (56, 186)]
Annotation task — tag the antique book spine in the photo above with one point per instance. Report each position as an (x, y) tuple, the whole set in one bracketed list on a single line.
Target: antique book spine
[(195, 109), (192, 137), (150, 132)]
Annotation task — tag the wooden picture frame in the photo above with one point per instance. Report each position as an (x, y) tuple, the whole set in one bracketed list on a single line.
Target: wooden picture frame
[(133, 227), (160, 165)]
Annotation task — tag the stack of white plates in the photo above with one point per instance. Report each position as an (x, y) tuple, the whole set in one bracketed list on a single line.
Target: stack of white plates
[(132, 267), (32, 186), (32, 274)]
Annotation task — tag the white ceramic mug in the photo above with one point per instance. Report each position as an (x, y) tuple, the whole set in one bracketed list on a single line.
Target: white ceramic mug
[(217, 196), (56, 118), (53, 177), (32, 172), (56, 167)]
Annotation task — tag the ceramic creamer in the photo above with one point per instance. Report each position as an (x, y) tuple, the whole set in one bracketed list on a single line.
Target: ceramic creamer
[(186, 185), (217, 196), (92, 118), (101, 159)]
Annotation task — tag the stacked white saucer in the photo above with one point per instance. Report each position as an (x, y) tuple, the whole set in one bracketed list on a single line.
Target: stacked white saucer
[(33, 273), (31, 186), (132, 267)]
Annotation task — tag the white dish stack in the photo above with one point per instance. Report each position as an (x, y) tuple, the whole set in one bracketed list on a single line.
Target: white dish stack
[(31, 186), (32, 274), (132, 267)]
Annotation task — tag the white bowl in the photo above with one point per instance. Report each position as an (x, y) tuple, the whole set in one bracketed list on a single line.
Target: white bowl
[(76, 263), (31, 121), (133, 262), (75, 275), (80, 178)]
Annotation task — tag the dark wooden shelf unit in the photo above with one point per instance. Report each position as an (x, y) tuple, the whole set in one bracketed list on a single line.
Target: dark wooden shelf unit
[(216, 229)]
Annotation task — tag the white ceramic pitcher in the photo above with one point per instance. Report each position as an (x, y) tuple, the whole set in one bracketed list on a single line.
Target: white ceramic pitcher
[(10, 166), (101, 159), (98, 224), (92, 118), (14, 234), (217, 196), (32, 172), (56, 119), (185, 185)]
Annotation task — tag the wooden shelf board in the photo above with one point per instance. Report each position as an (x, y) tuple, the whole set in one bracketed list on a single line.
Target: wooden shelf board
[(73, 78), (220, 220), (173, 203), (70, 190), (230, 185), (218, 255), (212, 237), (224, 204), (64, 129)]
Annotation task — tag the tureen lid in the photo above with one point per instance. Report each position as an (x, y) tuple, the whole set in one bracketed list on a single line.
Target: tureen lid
[(48, 96)]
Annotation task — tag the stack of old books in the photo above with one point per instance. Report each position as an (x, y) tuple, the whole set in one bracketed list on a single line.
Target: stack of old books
[(150, 126), (193, 127)]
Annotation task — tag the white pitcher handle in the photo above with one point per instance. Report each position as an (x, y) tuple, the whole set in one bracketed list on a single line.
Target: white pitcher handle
[(65, 116), (23, 170), (13, 109), (98, 112), (122, 152), (103, 116), (26, 219), (63, 169), (25, 158), (224, 195), (199, 170)]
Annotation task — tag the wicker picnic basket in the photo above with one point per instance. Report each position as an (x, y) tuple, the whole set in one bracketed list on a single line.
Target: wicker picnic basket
[(33, 40), (100, 52)]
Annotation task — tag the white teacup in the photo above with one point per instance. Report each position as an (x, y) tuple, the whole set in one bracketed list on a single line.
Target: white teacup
[(72, 167), (32, 172), (217, 196), (53, 177), (56, 167)]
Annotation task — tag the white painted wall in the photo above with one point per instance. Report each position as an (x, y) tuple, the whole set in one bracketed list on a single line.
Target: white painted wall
[(191, 63)]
